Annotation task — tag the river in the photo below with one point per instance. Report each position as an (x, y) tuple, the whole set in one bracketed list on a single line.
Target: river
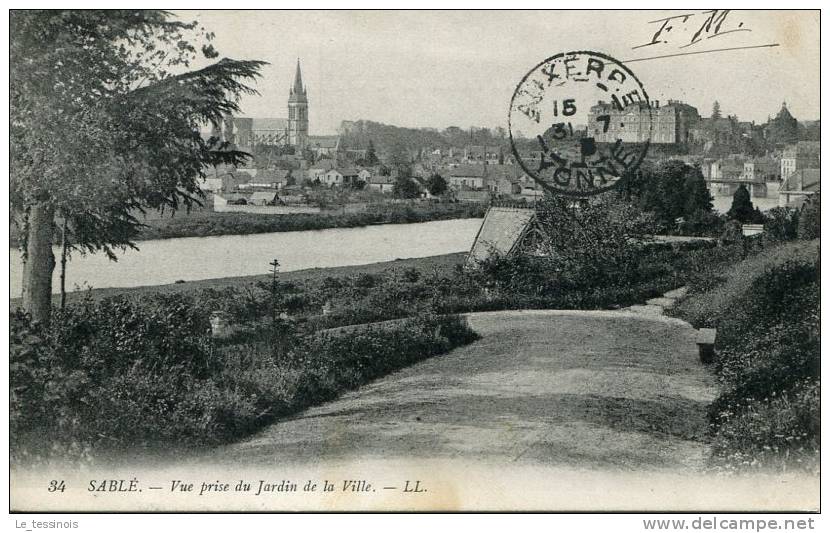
[(165, 261)]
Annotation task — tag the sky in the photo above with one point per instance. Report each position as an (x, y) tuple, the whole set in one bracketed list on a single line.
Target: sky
[(460, 68)]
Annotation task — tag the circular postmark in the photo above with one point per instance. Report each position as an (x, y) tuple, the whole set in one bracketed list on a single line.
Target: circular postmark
[(579, 122)]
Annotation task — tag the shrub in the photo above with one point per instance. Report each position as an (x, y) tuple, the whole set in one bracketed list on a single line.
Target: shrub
[(705, 309), (781, 433), (768, 359), (119, 374), (809, 220), (781, 224)]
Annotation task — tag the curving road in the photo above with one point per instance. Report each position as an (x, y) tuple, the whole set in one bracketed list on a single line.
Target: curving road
[(550, 410), (619, 390)]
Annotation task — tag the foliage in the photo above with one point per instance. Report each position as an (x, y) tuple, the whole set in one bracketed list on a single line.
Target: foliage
[(405, 187), (386, 138), (742, 209), (716, 110), (371, 154), (671, 190), (595, 239), (105, 120), (732, 233), (120, 374), (265, 155), (766, 310), (437, 185), (809, 220), (781, 224), (702, 223)]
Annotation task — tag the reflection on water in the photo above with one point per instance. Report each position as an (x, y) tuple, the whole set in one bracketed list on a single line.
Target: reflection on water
[(166, 261)]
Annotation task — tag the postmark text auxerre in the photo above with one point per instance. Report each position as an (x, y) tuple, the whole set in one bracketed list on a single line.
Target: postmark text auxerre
[(579, 122)]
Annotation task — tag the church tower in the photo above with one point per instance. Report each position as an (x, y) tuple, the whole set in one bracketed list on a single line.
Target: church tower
[(298, 112)]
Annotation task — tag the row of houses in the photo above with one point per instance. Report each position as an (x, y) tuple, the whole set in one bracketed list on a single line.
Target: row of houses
[(796, 168), (325, 173)]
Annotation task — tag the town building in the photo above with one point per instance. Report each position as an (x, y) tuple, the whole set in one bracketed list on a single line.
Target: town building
[(480, 155), (801, 155), (319, 168), (798, 186), (759, 175), (467, 176), (340, 176), (267, 179), (638, 122), (247, 132), (323, 145), (384, 184)]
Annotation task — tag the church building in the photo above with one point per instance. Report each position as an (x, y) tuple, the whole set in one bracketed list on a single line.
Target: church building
[(298, 112), (246, 132)]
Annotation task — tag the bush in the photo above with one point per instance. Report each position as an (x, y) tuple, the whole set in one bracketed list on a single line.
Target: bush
[(781, 433), (705, 308), (768, 359), (119, 374), (809, 220), (781, 224)]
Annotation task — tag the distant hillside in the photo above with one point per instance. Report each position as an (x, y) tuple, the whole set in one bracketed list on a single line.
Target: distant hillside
[(356, 135)]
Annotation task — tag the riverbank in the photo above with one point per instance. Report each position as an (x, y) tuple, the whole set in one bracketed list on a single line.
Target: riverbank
[(211, 224), (207, 223), (439, 264)]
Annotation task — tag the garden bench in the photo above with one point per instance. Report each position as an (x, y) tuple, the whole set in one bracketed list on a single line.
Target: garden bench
[(706, 344)]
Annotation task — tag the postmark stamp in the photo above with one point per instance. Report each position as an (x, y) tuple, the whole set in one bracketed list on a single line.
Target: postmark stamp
[(589, 117)]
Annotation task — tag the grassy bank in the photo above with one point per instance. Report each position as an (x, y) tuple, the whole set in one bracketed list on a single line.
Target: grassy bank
[(766, 311), (206, 223), (442, 264), (213, 224)]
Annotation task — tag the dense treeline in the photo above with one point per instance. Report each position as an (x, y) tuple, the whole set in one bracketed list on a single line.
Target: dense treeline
[(387, 139)]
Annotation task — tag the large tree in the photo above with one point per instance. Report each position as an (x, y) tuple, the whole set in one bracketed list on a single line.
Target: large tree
[(405, 187), (437, 185), (371, 154), (105, 119), (742, 209), (716, 110), (671, 190), (593, 239)]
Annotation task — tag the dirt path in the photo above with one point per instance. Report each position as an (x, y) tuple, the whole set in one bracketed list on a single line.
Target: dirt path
[(618, 390)]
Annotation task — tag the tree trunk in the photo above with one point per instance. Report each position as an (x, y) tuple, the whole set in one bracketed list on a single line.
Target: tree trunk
[(64, 251), (39, 265)]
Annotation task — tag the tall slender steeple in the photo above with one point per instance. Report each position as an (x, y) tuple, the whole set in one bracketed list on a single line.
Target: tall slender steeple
[(298, 111), (298, 90)]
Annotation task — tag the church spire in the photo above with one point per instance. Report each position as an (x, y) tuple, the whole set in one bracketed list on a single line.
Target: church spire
[(298, 80), (297, 111), (298, 91)]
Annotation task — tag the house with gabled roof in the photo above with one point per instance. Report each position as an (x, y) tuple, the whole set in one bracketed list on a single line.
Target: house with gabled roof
[(507, 231), (384, 184), (467, 176)]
